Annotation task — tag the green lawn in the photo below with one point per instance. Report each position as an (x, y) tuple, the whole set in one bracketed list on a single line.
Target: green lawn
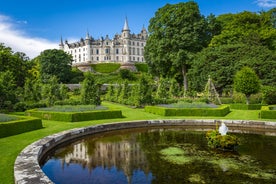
[(11, 146)]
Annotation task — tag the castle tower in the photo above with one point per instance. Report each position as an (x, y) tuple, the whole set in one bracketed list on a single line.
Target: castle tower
[(61, 45), (126, 41)]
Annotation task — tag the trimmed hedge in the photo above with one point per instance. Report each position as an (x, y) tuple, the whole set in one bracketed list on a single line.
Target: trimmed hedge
[(105, 67), (163, 111), (75, 116), (246, 107), (24, 124), (267, 113)]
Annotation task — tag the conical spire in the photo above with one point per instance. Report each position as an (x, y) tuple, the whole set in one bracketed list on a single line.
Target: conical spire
[(87, 34), (61, 41), (126, 28)]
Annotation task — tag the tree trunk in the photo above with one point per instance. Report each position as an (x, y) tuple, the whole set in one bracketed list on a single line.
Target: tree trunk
[(185, 81), (247, 99)]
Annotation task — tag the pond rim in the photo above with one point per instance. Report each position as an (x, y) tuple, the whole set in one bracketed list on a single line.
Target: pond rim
[(27, 169)]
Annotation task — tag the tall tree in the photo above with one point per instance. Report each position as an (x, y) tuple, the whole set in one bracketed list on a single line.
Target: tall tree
[(17, 63), (54, 62), (90, 91), (222, 62), (247, 82), (247, 27), (176, 32)]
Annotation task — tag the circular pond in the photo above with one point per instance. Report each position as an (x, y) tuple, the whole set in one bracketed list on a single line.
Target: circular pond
[(160, 155)]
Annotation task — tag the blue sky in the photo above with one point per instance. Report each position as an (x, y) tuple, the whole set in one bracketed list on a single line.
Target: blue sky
[(31, 26)]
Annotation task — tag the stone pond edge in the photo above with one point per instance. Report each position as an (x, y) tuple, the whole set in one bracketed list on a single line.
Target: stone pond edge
[(27, 169)]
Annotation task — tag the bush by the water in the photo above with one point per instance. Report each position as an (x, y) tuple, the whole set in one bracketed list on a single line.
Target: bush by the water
[(216, 140)]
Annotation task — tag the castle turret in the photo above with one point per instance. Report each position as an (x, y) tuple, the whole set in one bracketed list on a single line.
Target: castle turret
[(126, 30), (61, 45)]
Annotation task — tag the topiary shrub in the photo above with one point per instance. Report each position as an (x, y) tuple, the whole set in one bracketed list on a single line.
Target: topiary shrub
[(268, 112)]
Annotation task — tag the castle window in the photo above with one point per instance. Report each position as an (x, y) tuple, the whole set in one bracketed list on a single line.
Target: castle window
[(133, 51), (133, 43), (107, 51), (117, 58), (117, 51), (133, 58), (97, 58), (138, 51), (137, 43), (142, 44), (106, 43), (97, 51), (138, 59)]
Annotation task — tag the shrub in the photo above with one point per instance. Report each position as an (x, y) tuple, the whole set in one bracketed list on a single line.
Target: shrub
[(267, 112), (142, 67), (126, 74), (90, 91), (23, 124), (269, 95), (246, 107)]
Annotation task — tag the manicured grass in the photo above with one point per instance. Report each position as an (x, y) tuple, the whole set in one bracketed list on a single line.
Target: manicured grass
[(11, 146)]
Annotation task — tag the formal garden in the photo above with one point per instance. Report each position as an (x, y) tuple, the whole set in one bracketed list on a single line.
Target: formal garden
[(218, 76)]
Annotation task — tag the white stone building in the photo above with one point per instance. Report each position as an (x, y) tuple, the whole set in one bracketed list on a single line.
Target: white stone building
[(123, 48)]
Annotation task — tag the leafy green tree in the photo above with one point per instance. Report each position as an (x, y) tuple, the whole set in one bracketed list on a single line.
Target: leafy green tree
[(110, 93), (162, 89), (174, 90), (7, 90), (247, 82), (17, 63), (124, 95), (222, 62), (32, 90), (145, 91), (246, 27), (176, 32), (90, 91), (55, 62), (269, 94), (51, 91)]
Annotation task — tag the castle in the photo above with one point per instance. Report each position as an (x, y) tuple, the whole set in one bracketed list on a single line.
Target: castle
[(123, 48)]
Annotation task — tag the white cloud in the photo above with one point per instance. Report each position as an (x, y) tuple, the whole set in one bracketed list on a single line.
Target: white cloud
[(266, 3), (19, 41)]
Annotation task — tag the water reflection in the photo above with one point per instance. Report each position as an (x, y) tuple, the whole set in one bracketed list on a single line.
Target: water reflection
[(139, 156)]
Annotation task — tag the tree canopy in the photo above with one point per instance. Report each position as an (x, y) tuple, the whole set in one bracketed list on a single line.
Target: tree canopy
[(247, 82), (54, 62), (176, 32)]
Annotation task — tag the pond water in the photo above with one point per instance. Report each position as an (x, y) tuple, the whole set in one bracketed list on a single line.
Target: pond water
[(161, 155)]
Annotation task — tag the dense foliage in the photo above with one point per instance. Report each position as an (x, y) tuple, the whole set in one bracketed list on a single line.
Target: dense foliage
[(247, 82), (176, 33), (55, 62)]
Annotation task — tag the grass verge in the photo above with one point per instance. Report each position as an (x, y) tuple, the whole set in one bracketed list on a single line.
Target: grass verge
[(11, 146)]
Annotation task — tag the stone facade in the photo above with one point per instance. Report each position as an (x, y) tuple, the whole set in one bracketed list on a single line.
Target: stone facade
[(123, 48)]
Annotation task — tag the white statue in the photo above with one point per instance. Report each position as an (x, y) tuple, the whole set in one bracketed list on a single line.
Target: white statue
[(223, 129)]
